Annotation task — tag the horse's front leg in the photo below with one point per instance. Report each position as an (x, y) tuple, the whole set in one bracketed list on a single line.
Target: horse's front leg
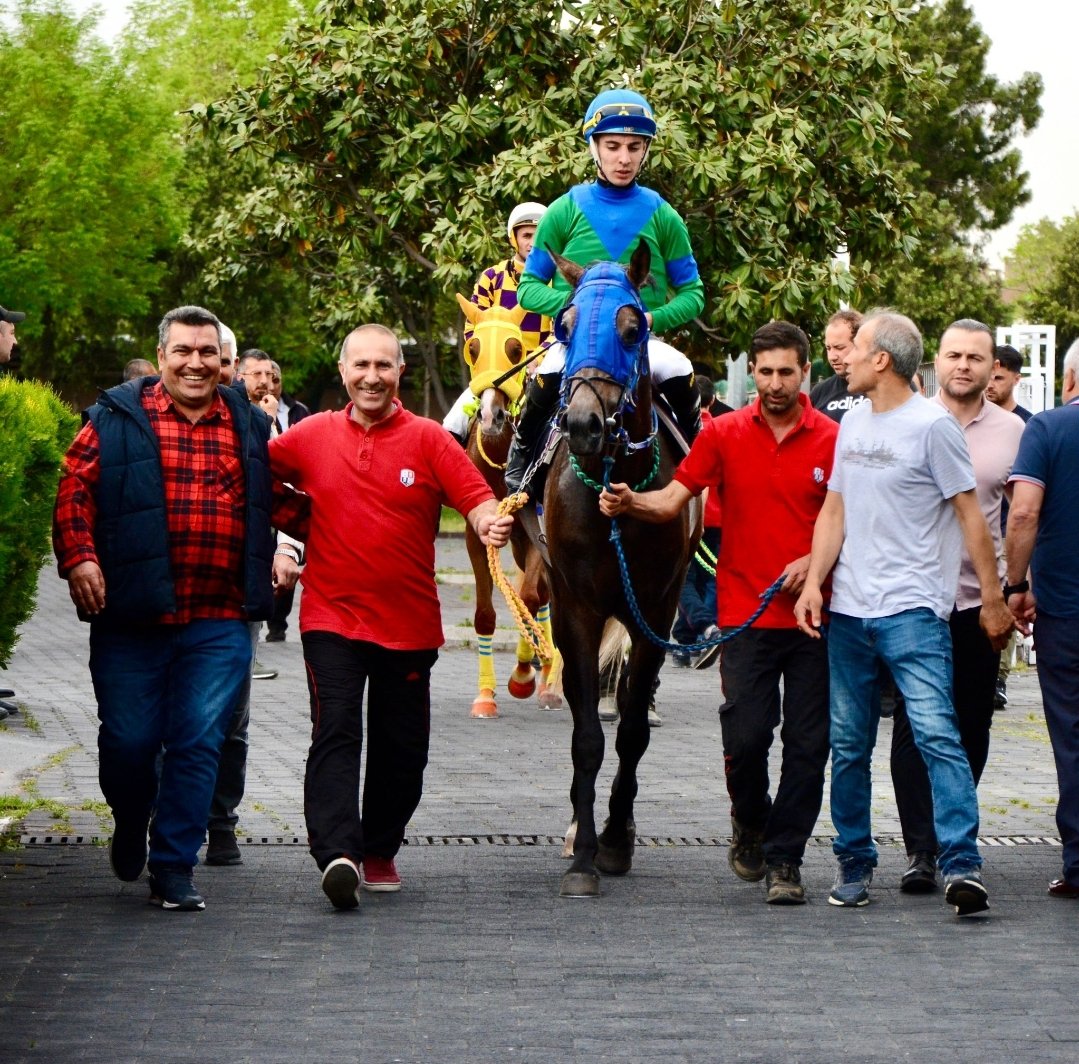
[(581, 685), (615, 853), (483, 620)]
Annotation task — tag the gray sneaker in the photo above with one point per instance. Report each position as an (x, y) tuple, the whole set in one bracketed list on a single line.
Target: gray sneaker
[(262, 672), (852, 879), (966, 891)]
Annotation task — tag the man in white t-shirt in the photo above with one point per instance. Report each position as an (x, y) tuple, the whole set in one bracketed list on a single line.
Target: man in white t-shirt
[(902, 485)]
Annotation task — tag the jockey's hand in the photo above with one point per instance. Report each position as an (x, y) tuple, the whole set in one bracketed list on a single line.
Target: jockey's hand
[(795, 575), (807, 611), (616, 500)]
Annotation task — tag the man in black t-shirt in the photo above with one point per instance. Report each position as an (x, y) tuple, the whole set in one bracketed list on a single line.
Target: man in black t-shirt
[(830, 396)]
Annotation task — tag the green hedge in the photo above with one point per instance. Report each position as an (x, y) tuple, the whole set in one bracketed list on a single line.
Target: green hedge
[(36, 428)]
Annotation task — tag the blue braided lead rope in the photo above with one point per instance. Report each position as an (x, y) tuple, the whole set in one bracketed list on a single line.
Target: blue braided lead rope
[(687, 648)]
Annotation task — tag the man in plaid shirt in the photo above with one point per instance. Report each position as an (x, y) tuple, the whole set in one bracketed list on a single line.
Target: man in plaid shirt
[(162, 530)]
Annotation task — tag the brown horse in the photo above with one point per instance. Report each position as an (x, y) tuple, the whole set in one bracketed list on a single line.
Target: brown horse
[(609, 434), (492, 351)]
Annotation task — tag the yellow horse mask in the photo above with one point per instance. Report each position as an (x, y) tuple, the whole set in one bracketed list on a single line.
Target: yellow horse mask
[(494, 348)]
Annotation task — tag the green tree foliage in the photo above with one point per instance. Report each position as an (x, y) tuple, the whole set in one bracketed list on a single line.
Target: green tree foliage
[(961, 159), (87, 202), (399, 136), (35, 430), (1055, 298), (194, 50), (1033, 259)]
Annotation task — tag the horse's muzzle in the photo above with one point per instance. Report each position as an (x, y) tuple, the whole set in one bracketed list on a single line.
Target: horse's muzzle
[(585, 432)]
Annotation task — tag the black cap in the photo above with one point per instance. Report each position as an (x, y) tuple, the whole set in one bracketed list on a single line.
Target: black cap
[(12, 317)]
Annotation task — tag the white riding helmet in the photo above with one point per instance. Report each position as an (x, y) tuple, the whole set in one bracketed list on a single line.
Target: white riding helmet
[(523, 214)]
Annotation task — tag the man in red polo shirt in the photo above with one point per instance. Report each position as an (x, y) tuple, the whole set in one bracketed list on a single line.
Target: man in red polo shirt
[(377, 477), (770, 464)]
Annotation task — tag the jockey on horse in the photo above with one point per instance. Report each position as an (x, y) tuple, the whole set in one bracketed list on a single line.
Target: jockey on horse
[(497, 287), (606, 220)]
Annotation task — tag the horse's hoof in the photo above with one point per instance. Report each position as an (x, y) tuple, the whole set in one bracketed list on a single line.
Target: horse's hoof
[(484, 705), (549, 699), (614, 861), (617, 860), (579, 885), (522, 688)]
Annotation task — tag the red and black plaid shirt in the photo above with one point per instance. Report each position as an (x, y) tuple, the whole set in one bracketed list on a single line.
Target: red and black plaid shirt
[(204, 503)]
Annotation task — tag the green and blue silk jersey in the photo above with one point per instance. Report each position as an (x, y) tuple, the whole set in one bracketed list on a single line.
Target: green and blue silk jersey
[(601, 223)]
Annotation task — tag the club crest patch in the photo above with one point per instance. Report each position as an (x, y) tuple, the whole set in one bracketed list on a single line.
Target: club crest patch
[(408, 477), (818, 475)]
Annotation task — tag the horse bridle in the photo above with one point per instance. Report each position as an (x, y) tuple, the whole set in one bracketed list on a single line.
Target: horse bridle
[(617, 436)]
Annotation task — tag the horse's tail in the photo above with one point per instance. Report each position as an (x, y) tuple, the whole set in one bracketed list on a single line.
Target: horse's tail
[(613, 646)]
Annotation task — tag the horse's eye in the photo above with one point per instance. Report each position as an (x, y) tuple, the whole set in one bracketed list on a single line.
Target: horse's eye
[(628, 324), (514, 350), (472, 350)]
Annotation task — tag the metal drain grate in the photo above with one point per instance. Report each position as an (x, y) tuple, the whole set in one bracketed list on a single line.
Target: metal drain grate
[(531, 840)]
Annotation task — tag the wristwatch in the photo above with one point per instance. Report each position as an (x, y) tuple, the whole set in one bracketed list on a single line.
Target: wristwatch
[(1016, 589)]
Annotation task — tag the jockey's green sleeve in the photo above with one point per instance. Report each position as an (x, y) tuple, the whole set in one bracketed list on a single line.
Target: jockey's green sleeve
[(596, 223)]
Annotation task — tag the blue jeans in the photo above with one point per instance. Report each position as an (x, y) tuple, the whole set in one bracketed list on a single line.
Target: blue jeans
[(232, 768), (916, 646), (174, 686)]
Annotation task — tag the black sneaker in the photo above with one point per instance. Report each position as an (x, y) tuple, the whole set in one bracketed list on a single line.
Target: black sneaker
[(127, 849), (921, 874), (966, 891), (1000, 696), (681, 659), (745, 856), (275, 635), (784, 883), (174, 888), (341, 883), (221, 850)]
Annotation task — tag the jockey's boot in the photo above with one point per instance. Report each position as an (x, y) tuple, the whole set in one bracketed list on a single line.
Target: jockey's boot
[(685, 403), (458, 437), (539, 406)]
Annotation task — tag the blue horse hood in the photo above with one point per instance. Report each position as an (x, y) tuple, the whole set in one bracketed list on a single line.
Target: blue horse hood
[(604, 289)]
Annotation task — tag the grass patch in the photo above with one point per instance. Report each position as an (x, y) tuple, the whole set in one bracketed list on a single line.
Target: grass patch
[(31, 722), (451, 520)]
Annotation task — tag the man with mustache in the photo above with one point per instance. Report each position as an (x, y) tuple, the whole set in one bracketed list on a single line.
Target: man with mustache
[(162, 530)]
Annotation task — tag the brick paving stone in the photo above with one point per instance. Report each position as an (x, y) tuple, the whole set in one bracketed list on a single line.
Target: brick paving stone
[(477, 959)]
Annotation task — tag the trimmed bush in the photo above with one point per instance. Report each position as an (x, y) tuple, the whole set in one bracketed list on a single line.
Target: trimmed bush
[(36, 428)]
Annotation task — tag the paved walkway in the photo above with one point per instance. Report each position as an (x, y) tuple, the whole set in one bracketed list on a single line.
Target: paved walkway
[(477, 959)]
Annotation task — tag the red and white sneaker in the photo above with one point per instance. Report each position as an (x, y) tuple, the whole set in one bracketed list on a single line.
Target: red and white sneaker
[(380, 875)]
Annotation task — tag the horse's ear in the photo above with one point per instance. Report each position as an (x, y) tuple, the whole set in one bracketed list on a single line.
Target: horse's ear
[(517, 315), (639, 265), (570, 270), (469, 309)]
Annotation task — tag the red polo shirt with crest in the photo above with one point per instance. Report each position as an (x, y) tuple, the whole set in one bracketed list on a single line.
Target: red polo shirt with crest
[(770, 494), (376, 499)]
